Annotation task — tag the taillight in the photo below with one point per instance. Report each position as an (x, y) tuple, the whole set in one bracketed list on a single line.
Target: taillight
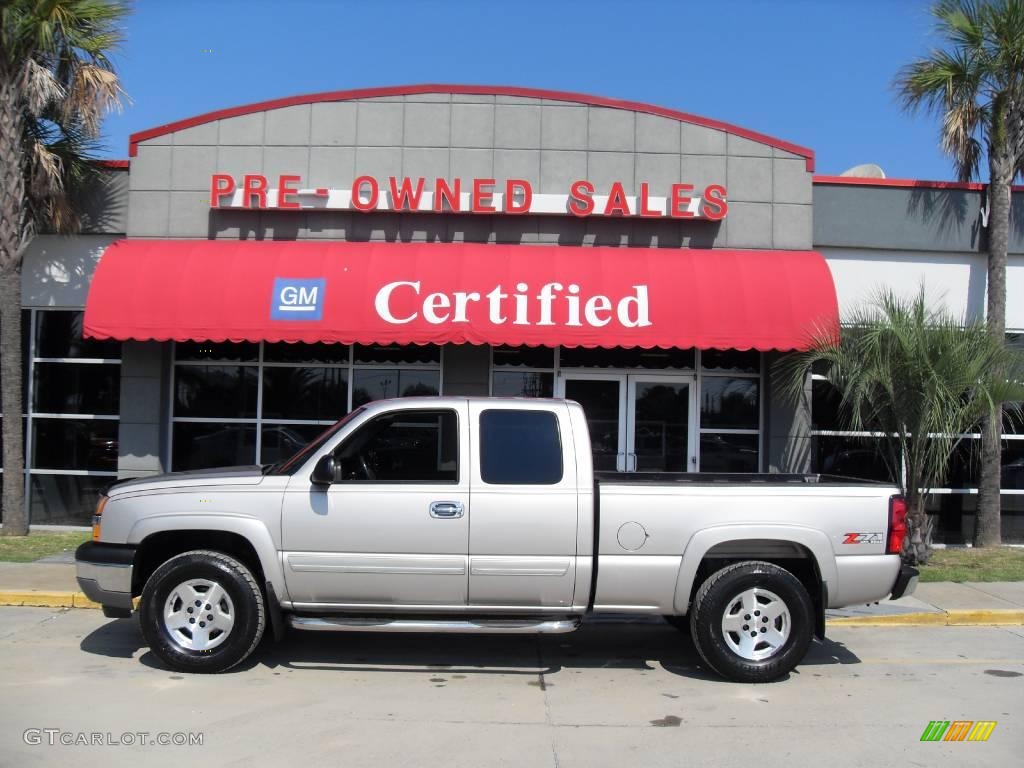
[(897, 525)]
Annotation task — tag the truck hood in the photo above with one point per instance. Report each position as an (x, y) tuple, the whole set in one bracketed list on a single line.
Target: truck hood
[(247, 475)]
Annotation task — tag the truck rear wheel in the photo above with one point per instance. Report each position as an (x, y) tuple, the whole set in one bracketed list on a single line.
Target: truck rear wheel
[(202, 611), (752, 622)]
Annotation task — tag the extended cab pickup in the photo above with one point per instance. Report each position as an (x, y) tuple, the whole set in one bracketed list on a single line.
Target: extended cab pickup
[(485, 515)]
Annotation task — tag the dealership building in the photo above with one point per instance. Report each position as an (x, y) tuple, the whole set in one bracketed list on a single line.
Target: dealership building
[(248, 276)]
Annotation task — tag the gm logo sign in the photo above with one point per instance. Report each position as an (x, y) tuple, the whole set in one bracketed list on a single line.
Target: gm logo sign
[(297, 298)]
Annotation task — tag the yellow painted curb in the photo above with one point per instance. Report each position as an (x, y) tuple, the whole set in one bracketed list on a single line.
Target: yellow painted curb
[(58, 599), (954, 618)]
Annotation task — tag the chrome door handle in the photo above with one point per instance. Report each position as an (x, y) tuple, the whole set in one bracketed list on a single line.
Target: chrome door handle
[(446, 510)]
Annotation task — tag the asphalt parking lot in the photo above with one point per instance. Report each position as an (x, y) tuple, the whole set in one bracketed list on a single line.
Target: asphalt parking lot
[(614, 693)]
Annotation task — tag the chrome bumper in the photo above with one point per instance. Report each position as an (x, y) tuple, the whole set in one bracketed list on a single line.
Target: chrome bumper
[(104, 573)]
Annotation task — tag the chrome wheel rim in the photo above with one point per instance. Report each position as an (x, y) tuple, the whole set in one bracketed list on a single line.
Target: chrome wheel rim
[(199, 615), (756, 624)]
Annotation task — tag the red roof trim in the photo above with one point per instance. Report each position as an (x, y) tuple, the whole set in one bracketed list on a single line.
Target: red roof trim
[(120, 165), (859, 181), (487, 90)]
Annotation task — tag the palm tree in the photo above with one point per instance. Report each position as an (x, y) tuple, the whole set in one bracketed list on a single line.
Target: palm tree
[(917, 378), (976, 86), (56, 83)]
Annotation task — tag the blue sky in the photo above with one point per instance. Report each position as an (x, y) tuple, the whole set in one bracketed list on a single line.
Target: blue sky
[(814, 72)]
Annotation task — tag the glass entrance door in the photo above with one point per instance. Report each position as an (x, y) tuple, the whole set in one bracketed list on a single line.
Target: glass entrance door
[(638, 422), (603, 398), (660, 427)]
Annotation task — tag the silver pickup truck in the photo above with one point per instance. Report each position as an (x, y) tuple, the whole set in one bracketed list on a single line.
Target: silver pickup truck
[(485, 515)]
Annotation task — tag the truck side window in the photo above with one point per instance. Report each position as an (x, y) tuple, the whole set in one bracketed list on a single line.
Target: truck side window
[(403, 447), (520, 448)]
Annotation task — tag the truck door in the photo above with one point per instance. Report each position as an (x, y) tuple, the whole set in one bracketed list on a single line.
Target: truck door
[(393, 529), (522, 543)]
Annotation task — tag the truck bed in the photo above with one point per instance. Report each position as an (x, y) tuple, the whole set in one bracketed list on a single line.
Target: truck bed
[(728, 478)]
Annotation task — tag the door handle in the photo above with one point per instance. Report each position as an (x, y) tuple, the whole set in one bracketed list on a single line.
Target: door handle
[(446, 510)]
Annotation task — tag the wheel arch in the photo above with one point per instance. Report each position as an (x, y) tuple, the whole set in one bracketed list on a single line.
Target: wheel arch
[(806, 552), (247, 540)]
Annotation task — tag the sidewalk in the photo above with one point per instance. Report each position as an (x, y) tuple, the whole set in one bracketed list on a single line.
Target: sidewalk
[(52, 585)]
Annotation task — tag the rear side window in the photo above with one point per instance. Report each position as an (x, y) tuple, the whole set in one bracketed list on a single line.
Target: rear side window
[(520, 448)]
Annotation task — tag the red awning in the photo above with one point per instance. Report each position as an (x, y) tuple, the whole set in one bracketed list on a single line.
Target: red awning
[(420, 293)]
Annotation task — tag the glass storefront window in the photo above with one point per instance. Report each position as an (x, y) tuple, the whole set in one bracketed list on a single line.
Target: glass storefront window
[(730, 361), (395, 353), (64, 499), (243, 403), (71, 399), (280, 441), (316, 394), (729, 403), (309, 354), (524, 357), (858, 457), (217, 351), (723, 452), (523, 384), (651, 359), (59, 335), (77, 388), (199, 445), (215, 391), (87, 444), (373, 384)]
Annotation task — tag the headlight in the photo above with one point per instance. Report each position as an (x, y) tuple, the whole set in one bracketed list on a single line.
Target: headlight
[(96, 518)]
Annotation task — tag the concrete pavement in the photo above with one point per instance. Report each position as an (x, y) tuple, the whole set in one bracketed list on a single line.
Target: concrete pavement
[(613, 694)]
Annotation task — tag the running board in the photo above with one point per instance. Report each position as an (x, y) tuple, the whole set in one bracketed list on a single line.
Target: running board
[(478, 626)]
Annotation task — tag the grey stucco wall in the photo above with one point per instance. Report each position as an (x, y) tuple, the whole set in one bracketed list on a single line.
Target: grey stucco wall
[(466, 370), (549, 143), (57, 270), (901, 218), (142, 433)]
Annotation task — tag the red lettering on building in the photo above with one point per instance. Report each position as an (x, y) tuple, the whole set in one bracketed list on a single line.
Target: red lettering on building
[(284, 189), (715, 205), (404, 196), (254, 184), (617, 204), (357, 188), (481, 198), (523, 186), (581, 198), (221, 184)]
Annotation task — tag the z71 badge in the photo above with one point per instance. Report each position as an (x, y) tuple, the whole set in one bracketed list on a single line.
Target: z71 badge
[(863, 538)]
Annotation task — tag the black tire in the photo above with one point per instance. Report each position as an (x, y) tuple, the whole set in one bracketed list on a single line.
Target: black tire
[(682, 623), (720, 591), (247, 608)]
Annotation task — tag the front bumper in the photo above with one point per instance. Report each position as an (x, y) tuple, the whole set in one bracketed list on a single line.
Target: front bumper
[(104, 573), (906, 582)]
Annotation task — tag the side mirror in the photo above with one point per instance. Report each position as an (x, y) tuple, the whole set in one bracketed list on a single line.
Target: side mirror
[(325, 471)]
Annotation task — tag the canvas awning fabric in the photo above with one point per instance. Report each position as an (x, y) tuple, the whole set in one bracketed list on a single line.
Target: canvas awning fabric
[(478, 293)]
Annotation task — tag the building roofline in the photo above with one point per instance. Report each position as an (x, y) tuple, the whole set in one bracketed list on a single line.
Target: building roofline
[(113, 165), (485, 90), (861, 181)]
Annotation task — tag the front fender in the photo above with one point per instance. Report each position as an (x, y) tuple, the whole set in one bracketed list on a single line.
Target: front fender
[(704, 540), (250, 528)]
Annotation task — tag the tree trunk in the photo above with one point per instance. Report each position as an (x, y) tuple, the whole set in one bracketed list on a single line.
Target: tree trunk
[(12, 202), (917, 546), (987, 528)]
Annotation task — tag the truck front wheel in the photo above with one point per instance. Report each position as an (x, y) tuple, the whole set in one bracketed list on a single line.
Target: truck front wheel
[(202, 611), (752, 622)]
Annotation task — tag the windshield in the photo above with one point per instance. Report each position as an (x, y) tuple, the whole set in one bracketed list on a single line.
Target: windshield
[(289, 466)]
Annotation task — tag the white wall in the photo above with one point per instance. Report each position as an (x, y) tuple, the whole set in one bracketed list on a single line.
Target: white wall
[(956, 279)]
